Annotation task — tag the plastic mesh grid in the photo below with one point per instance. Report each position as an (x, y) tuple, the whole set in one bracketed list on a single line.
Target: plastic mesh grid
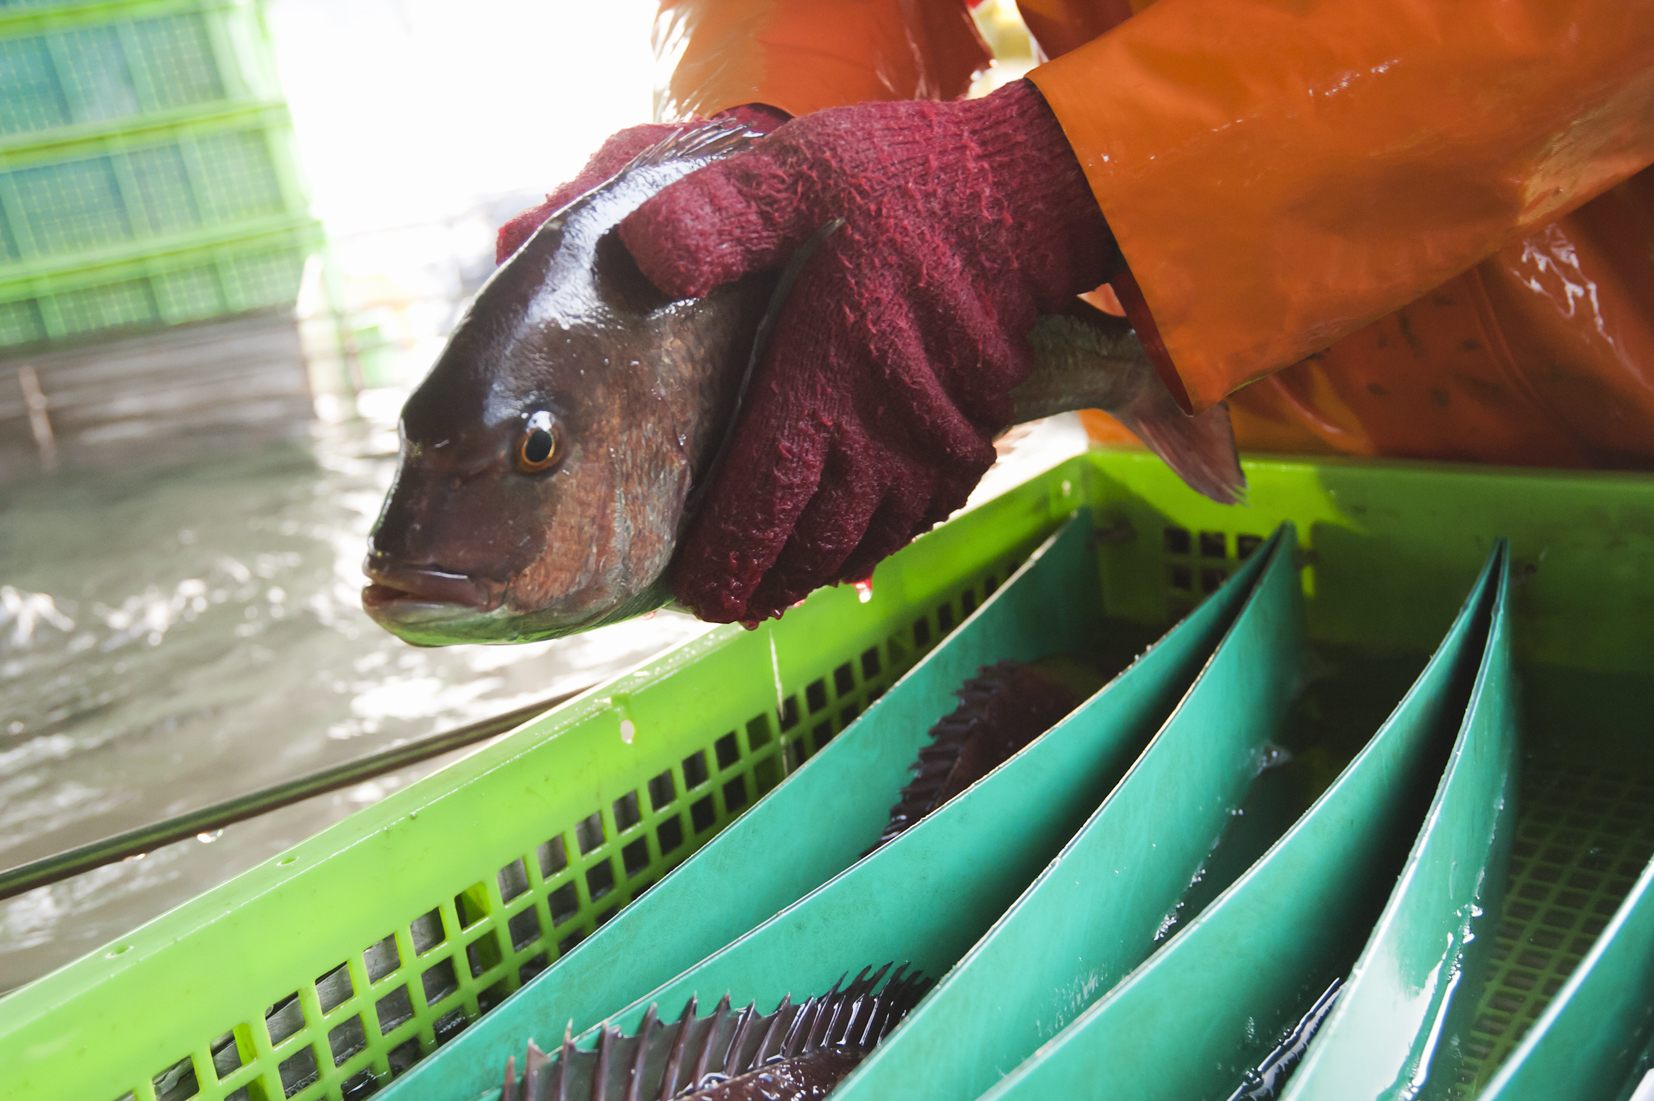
[(1198, 562), (93, 73), (8, 242), (1582, 838), (230, 281), (188, 294), (20, 323), (378, 1012), (164, 190), (253, 280), (108, 193), (80, 204), (110, 306), (239, 176), (30, 97), (72, 206), (106, 72), (177, 54)]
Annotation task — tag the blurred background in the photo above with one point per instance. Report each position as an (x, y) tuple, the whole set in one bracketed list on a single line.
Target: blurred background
[(232, 237)]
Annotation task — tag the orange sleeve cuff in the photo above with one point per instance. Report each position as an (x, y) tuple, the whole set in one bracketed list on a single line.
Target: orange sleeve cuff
[(804, 55), (1279, 173)]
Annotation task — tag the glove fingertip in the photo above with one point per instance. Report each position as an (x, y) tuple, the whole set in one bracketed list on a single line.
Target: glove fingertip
[(667, 247), (712, 227)]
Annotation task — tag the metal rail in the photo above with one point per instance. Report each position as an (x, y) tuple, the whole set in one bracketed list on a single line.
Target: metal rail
[(59, 866)]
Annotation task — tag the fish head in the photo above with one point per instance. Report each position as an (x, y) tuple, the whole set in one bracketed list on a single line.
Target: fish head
[(548, 458), (545, 464)]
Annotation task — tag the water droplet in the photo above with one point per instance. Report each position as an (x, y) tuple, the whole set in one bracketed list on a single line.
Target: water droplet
[(208, 837), (627, 730), (864, 590), (134, 856)]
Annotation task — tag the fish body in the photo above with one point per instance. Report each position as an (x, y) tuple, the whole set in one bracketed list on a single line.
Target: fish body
[(549, 459), (796, 1053), (1003, 708)]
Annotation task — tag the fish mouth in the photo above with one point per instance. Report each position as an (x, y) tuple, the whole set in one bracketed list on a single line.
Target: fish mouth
[(395, 589)]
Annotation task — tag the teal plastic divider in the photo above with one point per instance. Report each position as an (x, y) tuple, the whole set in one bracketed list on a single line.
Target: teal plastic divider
[(1098, 910), (1209, 1006), (1395, 1029), (816, 823), (1595, 1033), (927, 896)]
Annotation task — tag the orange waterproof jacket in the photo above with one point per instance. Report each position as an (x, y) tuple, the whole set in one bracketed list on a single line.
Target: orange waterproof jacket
[(1392, 199)]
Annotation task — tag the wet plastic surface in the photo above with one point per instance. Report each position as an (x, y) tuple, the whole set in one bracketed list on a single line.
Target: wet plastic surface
[(1209, 1005), (1405, 1013)]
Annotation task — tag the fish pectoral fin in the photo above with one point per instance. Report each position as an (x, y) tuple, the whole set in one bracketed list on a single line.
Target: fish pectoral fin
[(1201, 449)]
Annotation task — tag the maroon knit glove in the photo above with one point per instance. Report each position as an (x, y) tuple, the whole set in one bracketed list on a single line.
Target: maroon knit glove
[(621, 147), (872, 415)]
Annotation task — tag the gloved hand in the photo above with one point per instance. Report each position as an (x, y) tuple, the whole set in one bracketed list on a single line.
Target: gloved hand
[(873, 412), (621, 147)]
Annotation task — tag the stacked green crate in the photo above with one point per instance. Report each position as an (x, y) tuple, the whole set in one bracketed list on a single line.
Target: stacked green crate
[(147, 169)]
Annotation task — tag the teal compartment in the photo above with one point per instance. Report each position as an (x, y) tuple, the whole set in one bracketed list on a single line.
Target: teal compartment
[(1594, 1038), (814, 825), (1100, 908), (1192, 1020), (928, 895), (1400, 1026)]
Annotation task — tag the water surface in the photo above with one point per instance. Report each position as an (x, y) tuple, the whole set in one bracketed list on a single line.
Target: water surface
[(177, 631)]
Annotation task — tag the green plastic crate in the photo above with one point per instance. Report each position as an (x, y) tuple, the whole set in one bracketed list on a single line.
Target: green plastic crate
[(147, 169), (340, 964)]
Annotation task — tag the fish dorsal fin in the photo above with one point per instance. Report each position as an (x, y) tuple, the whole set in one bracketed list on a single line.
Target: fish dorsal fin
[(711, 140)]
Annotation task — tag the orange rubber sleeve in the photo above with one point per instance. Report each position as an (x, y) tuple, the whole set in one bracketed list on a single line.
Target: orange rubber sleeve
[(1281, 173), (805, 55)]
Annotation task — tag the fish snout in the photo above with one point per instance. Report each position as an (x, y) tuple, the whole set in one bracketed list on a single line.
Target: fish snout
[(392, 582)]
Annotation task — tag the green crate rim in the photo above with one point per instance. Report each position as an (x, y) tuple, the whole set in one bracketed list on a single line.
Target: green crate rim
[(92, 139), (160, 255)]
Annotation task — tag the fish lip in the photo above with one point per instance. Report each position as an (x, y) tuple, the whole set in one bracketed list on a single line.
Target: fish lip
[(395, 583)]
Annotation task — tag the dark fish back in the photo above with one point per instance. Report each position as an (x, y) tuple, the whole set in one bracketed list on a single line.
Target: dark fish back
[(1001, 709)]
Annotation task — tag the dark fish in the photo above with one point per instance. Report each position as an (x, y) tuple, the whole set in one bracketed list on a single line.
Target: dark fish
[(797, 1053), (1001, 709), (549, 458), (1269, 1078)]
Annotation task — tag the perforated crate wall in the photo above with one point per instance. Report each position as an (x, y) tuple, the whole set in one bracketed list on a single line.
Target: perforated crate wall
[(66, 67), (147, 171), (378, 1012), (1199, 562)]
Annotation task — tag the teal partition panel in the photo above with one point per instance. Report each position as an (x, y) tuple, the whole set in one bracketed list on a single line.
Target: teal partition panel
[(1098, 910), (813, 825), (1397, 1027), (931, 893), (1209, 1006)]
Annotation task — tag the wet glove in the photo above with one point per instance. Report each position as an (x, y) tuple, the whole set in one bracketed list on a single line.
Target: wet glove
[(872, 414)]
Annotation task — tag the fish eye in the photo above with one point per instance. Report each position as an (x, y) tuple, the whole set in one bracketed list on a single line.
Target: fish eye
[(537, 448)]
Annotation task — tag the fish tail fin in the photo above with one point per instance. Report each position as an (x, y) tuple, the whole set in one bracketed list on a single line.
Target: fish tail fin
[(1200, 449)]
